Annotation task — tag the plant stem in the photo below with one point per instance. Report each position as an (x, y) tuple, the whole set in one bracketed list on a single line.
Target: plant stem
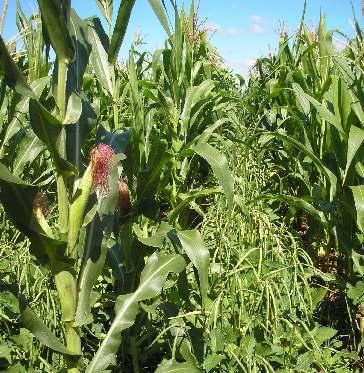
[(65, 281), (3, 14), (61, 182), (61, 88)]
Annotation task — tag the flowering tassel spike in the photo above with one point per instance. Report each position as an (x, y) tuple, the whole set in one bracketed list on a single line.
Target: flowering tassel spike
[(101, 161)]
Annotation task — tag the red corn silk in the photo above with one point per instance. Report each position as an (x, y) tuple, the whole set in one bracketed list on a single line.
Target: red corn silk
[(101, 161)]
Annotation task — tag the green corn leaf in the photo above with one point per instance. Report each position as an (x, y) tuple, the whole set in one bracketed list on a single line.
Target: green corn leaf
[(356, 106), (303, 101), (220, 167), (74, 109), (122, 21), (54, 16), (98, 243), (36, 326), (17, 198), (79, 35), (48, 129), (187, 199), (12, 75), (193, 245), (297, 202), (22, 107), (194, 96), (355, 141), (172, 366), (157, 239), (161, 15), (358, 194), (319, 164), (358, 262), (28, 150), (324, 112), (77, 133), (151, 282), (106, 7), (118, 140), (99, 59), (33, 323)]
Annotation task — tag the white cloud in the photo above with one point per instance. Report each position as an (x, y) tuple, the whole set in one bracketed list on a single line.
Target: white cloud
[(256, 19), (258, 24), (242, 66), (213, 26), (232, 31), (257, 29)]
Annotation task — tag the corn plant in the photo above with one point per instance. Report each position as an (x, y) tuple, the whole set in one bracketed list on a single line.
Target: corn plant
[(111, 174), (312, 107)]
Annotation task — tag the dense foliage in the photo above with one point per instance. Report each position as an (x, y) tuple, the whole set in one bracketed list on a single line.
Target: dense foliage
[(164, 215)]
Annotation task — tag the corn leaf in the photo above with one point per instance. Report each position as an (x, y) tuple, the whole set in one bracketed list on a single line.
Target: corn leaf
[(319, 164), (297, 202), (99, 58), (12, 75), (29, 320), (220, 167), (355, 141), (48, 129), (106, 7), (193, 245), (122, 21), (172, 366), (358, 194), (161, 15), (28, 150), (54, 16), (151, 282), (21, 108)]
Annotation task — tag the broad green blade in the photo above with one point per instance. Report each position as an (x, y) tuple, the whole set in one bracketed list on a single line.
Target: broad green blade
[(18, 198), (220, 167), (319, 164), (79, 35), (98, 242), (21, 108), (355, 141), (27, 152), (54, 17), (193, 245), (99, 59), (297, 202), (324, 112), (157, 239), (161, 15), (74, 109), (151, 282), (48, 129), (172, 366), (121, 25), (358, 194), (106, 7), (12, 75), (33, 323)]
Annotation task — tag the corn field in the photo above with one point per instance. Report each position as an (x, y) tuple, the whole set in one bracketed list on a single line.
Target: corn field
[(164, 214)]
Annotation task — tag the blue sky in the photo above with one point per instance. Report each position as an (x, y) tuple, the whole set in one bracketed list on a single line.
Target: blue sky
[(244, 29)]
